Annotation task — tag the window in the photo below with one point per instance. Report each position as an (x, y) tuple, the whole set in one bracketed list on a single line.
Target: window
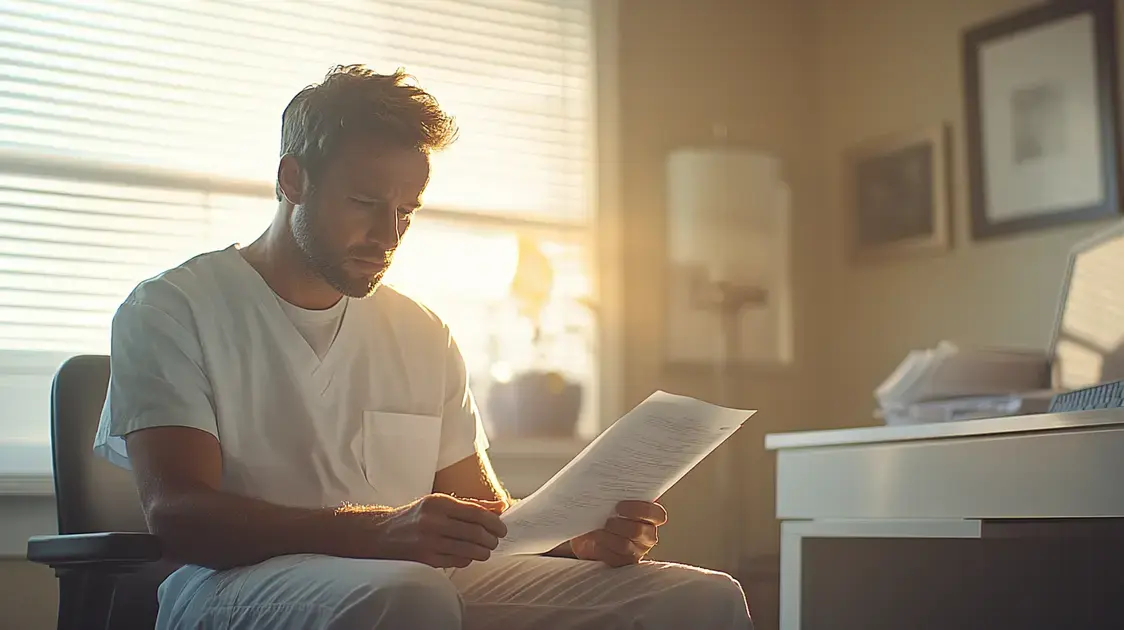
[(137, 133)]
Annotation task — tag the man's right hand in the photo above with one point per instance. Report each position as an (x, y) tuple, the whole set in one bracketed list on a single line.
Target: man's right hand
[(439, 530)]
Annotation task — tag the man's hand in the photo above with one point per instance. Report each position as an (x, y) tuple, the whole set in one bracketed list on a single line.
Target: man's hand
[(441, 531), (626, 537)]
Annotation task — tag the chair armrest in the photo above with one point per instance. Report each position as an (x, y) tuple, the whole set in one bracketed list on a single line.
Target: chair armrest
[(103, 551)]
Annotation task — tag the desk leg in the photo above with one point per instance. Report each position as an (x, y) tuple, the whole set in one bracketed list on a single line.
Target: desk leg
[(793, 534)]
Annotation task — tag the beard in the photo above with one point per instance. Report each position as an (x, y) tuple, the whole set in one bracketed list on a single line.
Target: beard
[(328, 264)]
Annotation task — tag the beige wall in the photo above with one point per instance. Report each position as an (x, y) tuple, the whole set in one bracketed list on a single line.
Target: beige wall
[(893, 65), (27, 596)]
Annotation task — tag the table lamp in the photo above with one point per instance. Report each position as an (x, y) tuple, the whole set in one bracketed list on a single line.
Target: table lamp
[(728, 280)]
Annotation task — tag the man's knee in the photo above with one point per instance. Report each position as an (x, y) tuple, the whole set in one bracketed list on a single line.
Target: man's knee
[(407, 595), (719, 599), (715, 600)]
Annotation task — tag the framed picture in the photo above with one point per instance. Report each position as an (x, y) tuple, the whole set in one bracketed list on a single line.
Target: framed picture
[(898, 194), (1041, 92)]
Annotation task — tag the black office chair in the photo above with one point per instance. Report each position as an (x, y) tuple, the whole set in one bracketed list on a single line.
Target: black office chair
[(108, 565)]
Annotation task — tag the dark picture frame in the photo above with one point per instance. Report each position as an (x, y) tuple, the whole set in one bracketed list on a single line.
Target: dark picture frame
[(898, 195), (1042, 118)]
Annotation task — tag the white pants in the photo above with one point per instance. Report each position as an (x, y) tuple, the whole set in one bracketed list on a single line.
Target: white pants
[(307, 592)]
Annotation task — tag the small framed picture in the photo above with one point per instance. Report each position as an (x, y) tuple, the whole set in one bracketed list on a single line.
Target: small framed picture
[(1041, 92), (898, 194)]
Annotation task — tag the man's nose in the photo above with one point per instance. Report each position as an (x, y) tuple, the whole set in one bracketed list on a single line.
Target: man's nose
[(386, 229)]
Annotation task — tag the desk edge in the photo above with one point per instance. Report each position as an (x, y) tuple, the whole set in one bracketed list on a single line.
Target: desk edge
[(1075, 421)]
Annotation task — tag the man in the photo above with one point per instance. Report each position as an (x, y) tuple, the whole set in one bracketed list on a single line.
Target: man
[(304, 439)]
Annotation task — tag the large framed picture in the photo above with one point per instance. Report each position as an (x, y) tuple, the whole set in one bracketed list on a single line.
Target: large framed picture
[(1041, 98), (898, 194)]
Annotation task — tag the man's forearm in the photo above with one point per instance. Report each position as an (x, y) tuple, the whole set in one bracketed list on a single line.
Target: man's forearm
[(221, 530), (472, 478)]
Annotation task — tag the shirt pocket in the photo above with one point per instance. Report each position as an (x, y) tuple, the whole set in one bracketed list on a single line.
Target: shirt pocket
[(400, 454)]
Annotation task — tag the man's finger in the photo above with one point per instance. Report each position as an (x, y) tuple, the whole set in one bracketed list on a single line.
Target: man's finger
[(473, 513), (620, 545), (614, 550), (636, 531), (462, 549), (469, 532), (443, 561), (496, 507), (644, 511)]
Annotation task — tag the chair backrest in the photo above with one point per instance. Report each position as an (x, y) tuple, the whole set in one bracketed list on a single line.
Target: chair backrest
[(92, 495)]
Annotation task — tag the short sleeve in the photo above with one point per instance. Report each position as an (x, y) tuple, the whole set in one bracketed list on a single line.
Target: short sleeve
[(462, 430), (156, 379)]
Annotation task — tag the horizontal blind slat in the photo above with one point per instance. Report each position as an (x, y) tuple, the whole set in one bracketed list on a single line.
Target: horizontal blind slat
[(79, 268), (21, 316), (94, 225), (144, 196), (67, 339), (116, 241), (58, 301), (71, 285), (86, 254), (167, 212)]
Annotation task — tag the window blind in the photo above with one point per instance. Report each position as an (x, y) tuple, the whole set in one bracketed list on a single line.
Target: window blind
[(200, 86), (71, 250), (91, 92)]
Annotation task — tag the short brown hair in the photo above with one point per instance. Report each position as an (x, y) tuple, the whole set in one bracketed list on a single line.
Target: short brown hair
[(353, 99)]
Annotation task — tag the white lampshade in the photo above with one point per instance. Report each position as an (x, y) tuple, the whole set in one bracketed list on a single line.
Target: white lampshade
[(723, 205), (728, 219)]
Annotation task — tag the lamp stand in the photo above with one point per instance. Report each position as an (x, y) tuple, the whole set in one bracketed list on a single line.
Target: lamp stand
[(729, 300)]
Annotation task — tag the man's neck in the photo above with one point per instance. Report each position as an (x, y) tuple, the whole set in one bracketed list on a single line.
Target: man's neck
[(278, 260)]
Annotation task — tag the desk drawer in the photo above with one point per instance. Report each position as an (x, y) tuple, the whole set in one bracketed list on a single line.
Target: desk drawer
[(1055, 474)]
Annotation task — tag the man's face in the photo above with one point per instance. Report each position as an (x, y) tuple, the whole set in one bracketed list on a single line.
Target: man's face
[(353, 219)]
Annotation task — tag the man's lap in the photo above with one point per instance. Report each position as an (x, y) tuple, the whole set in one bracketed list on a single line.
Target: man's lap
[(547, 593), (309, 591)]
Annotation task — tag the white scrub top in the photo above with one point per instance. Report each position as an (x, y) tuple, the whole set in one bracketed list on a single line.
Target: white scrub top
[(208, 345)]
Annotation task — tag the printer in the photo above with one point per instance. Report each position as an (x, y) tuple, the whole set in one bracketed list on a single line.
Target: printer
[(1081, 369)]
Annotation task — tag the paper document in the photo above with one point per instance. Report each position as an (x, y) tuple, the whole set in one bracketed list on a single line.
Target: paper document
[(636, 459), (948, 371)]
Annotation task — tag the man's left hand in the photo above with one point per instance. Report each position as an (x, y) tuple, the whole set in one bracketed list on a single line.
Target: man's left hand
[(627, 536)]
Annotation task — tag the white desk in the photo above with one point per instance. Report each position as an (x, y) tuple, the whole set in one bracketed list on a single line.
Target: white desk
[(948, 481)]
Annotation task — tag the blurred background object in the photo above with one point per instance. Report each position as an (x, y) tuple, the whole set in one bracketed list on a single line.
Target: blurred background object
[(729, 283), (531, 398), (730, 299)]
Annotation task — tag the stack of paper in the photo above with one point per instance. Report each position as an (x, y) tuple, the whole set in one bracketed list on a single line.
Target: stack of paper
[(950, 383)]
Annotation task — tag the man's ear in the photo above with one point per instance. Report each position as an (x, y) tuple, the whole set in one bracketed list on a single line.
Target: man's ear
[(290, 179)]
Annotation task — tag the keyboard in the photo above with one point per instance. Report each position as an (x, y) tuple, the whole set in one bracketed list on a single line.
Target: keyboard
[(1103, 396)]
